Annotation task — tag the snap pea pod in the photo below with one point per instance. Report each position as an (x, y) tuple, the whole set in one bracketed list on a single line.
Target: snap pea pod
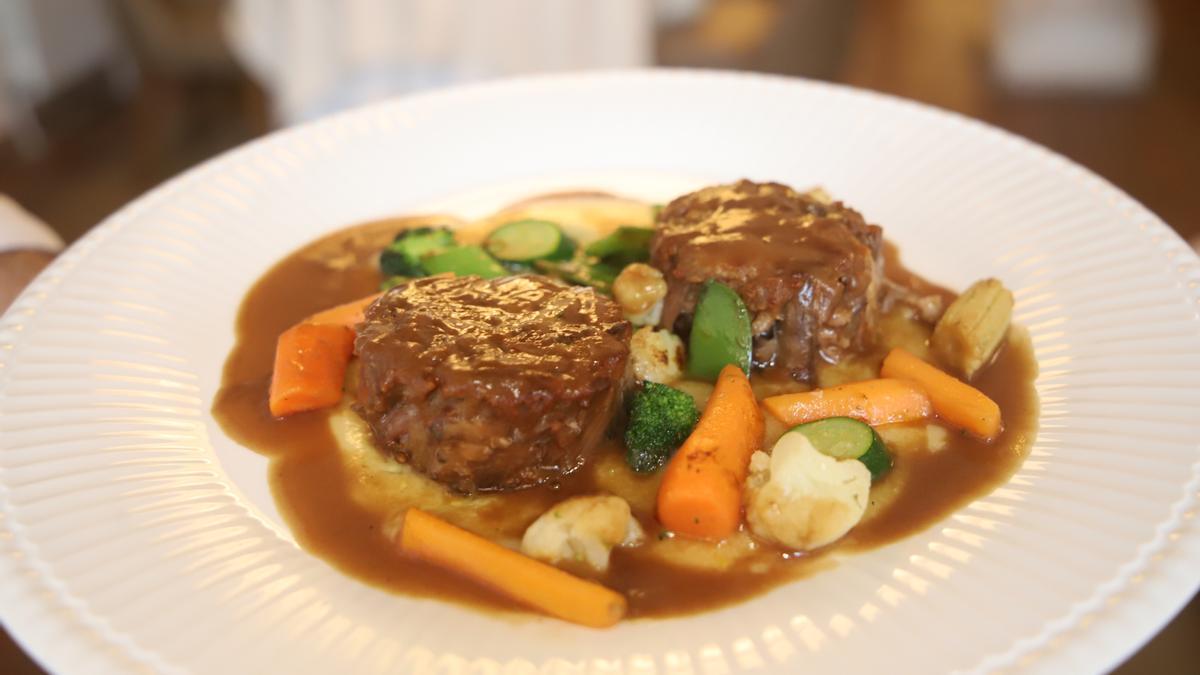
[(720, 333)]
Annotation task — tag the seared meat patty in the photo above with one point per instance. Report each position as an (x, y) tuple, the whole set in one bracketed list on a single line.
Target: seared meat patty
[(808, 271), (491, 384)]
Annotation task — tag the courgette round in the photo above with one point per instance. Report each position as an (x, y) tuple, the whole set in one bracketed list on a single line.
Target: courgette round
[(524, 241), (848, 438)]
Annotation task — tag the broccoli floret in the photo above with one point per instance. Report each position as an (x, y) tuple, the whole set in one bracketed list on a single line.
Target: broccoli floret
[(660, 420), (403, 256)]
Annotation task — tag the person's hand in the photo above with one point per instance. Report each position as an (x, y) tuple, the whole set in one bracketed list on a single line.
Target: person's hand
[(17, 269), (27, 245)]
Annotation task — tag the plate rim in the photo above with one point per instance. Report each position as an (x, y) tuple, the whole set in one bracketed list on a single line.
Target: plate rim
[(1134, 590)]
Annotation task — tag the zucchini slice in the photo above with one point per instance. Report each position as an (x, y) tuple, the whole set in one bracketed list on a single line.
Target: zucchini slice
[(847, 438), (524, 241)]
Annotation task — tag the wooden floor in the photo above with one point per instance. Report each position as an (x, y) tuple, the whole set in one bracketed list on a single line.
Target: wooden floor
[(106, 153)]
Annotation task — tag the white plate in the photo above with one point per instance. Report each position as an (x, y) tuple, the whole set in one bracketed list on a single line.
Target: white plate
[(134, 534)]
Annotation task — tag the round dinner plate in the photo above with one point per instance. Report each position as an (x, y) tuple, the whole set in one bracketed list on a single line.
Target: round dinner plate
[(135, 536)]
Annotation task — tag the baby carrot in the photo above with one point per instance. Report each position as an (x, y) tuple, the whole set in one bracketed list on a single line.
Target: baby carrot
[(872, 401), (701, 490), (349, 314), (956, 402), (310, 366), (521, 578)]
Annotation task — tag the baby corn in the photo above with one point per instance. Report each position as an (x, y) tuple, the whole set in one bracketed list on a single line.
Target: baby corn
[(973, 327)]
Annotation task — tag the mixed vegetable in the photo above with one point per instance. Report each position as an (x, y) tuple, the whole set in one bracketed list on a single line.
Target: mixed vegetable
[(715, 477), (404, 257), (660, 420), (720, 333), (848, 438), (526, 245)]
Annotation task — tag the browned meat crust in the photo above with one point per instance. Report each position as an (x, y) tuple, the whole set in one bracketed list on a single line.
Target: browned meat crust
[(491, 384), (808, 271)]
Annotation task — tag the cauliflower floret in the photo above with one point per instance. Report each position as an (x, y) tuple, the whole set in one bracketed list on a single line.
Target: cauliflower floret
[(656, 355), (639, 289), (801, 498), (582, 529)]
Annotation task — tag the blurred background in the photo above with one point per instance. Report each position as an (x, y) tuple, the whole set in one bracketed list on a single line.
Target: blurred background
[(100, 100)]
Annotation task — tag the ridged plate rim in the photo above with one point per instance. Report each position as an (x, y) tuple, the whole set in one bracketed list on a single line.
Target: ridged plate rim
[(38, 608)]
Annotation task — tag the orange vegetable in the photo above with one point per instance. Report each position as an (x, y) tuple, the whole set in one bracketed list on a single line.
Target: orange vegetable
[(701, 490), (311, 359), (349, 314), (523, 579), (310, 367), (872, 401), (956, 402)]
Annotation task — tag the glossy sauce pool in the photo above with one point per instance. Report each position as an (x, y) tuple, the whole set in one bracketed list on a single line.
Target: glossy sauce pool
[(312, 482)]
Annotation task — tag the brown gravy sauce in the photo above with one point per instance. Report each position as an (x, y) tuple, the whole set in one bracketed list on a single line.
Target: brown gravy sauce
[(311, 484)]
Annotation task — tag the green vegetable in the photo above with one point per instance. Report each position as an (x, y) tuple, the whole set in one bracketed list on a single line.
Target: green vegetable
[(720, 333), (624, 246), (403, 257), (464, 261), (660, 420), (529, 240), (392, 282), (846, 438), (517, 267), (581, 271)]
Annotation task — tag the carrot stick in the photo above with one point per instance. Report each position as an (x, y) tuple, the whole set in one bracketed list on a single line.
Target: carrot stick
[(311, 358), (523, 579), (310, 366), (349, 314), (956, 402), (872, 401), (701, 490)]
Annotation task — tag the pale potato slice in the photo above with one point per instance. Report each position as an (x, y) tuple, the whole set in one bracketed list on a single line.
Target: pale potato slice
[(901, 327), (387, 488), (702, 555), (611, 474)]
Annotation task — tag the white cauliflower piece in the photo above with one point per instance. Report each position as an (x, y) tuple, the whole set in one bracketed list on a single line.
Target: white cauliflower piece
[(582, 529), (656, 355), (639, 290), (801, 498)]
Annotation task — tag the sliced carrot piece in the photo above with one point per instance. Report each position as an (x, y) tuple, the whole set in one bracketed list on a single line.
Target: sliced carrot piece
[(349, 314), (953, 400), (521, 578), (310, 367), (883, 401), (701, 491)]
